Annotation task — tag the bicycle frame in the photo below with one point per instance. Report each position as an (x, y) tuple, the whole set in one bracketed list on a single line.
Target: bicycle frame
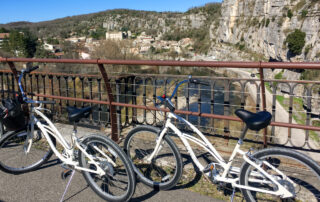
[(69, 149), (207, 146)]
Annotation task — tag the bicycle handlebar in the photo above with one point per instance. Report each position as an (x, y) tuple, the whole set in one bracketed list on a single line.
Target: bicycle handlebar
[(167, 101), (30, 69), (190, 80), (41, 101), (24, 96)]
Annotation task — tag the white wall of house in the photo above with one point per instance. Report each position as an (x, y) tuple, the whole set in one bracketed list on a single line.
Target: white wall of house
[(114, 35)]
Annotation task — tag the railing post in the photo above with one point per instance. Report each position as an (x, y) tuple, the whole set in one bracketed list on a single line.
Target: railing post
[(263, 93), (66, 78), (60, 93), (44, 87), (114, 127), (74, 90), (31, 85), (126, 89), (15, 75), (100, 98), (199, 105), (212, 84), (118, 108), (14, 70), (52, 89), (2, 85), (226, 109), (82, 89)]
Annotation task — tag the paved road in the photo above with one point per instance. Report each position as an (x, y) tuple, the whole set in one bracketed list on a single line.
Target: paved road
[(46, 184)]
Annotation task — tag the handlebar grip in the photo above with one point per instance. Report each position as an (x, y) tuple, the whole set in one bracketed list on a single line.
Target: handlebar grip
[(49, 102), (41, 101), (169, 104), (30, 69), (204, 83), (160, 98), (197, 81)]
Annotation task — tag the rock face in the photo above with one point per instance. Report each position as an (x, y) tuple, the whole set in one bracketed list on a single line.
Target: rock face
[(263, 25), (158, 23)]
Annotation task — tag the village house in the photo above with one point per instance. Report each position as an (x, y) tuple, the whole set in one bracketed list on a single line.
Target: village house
[(48, 47), (73, 39), (116, 35), (145, 39), (144, 49), (3, 36), (84, 55), (52, 48)]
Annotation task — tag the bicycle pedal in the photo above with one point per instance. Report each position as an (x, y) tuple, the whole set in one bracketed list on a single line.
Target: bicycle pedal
[(208, 168), (221, 186), (64, 166), (66, 173)]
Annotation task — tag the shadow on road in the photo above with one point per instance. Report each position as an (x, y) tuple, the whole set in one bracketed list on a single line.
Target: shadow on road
[(187, 160), (49, 163), (75, 194), (151, 192), (145, 196)]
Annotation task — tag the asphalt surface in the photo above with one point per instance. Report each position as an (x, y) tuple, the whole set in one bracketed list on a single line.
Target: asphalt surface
[(46, 184)]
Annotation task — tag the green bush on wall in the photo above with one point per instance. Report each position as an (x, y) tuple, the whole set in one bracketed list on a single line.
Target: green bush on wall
[(296, 41)]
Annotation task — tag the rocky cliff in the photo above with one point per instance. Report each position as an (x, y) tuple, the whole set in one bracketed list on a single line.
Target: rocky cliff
[(262, 26), (154, 23)]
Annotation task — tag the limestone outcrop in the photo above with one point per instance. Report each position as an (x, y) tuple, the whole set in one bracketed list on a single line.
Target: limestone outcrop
[(263, 25)]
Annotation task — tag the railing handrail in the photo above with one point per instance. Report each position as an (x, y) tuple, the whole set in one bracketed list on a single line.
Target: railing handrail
[(233, 64)]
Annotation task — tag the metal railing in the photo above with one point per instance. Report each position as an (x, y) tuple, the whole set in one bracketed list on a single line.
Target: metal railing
[(125, 100)]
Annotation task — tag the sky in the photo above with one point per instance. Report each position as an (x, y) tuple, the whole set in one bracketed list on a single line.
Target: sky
[(43, 10)]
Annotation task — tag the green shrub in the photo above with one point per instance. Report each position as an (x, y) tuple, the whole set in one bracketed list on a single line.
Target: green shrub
[(267, 22), (304, 13), (280, 21), (307, 49), (289, 14), (296, 41)]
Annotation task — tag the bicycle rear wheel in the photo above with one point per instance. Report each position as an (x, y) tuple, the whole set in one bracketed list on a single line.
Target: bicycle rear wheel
[(165, 169), (14, 159), (119, 182), (303, 173)]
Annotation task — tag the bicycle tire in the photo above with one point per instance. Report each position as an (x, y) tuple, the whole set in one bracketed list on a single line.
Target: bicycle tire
[(12, 153), (154, 175), (307, 169), (121, 174)]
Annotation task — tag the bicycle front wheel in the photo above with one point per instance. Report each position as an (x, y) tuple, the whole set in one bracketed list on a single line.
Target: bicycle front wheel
[(165, 169), (14, 157), (119, 182), (303, 176)]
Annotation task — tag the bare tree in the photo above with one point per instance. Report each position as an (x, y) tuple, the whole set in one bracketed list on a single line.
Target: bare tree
[(114, 49)]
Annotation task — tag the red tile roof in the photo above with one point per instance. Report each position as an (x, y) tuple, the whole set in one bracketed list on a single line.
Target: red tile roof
[(4, 35)]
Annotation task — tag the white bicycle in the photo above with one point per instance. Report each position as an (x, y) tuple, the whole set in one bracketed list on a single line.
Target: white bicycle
[(104, 165), (269, 174)]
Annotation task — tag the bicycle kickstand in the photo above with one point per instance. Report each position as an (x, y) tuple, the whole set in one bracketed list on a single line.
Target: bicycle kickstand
[(233, 192), (69, 182)]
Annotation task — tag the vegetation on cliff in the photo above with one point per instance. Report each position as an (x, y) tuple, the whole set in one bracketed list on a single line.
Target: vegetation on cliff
[(296, 41)]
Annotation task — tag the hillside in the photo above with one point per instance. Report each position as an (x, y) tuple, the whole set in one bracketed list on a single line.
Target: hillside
[(264, 26), (233, 30), (153, 23)]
